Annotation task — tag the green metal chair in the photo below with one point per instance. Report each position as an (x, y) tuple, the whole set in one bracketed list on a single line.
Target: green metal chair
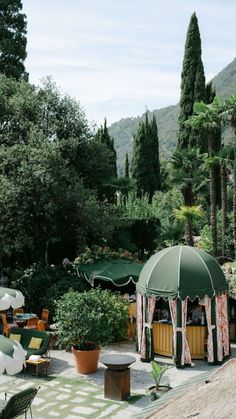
[(18, 404)]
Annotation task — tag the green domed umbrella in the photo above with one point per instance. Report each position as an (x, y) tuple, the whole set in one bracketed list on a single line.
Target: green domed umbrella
[(118, 271), (12, 356), (10, 298), (182, 271)]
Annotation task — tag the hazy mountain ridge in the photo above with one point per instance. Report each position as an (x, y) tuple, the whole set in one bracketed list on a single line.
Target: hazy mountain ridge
[(167, 120)]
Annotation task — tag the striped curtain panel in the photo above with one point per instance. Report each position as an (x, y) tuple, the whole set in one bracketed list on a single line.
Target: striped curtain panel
[(181, 352), (147, 353), (173, 313)]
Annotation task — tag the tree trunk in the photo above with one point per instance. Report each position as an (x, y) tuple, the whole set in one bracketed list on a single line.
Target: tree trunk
[(224, 177), (212, 197), (46, 253), (188, 195), (188, 235), (234, 196)]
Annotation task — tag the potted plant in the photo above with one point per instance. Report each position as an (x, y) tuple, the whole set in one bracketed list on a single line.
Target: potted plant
[(157, 373), (86, 321)]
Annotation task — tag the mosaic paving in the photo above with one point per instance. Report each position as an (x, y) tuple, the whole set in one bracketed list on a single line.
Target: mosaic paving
[(66, 398)]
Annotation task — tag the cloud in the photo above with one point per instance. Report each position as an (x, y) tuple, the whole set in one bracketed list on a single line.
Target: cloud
[(118, 57)]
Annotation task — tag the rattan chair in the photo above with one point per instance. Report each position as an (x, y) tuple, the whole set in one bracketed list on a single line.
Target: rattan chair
[(18, 404), (44, 317), (32, 323), (41, 325), (7, 326), (17, 311)]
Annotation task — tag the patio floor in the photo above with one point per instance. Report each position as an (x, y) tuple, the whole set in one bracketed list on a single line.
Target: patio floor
[(66, 394)]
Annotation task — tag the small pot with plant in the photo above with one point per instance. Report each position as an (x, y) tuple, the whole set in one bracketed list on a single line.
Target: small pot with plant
[(86, 321), (157, 373)]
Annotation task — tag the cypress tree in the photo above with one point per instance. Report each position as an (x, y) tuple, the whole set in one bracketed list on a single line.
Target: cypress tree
[(103, 137), (127, 166), (192, 87), (12, 39), (145, 162)]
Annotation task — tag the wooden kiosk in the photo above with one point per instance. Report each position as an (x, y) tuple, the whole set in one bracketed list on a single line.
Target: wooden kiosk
[(163, 336), (179, 275)]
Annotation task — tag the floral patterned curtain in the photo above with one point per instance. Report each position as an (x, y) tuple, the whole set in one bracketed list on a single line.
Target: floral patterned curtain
[(173, 313), (139, 320), (186, 357), (147, 339), (210, 327), (225, 324), (222, 326), (219, 328)]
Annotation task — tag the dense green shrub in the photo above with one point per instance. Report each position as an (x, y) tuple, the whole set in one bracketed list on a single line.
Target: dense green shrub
[(95, 253), (42, 285), (206, 240), (91, 319)]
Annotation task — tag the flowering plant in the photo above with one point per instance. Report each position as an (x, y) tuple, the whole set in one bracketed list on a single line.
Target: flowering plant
[(91, 255)]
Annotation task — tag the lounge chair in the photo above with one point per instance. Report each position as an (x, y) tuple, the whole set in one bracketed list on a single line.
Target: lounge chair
[(18, 404)]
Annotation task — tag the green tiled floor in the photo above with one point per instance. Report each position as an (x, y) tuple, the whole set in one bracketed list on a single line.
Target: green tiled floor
[(61, 397)]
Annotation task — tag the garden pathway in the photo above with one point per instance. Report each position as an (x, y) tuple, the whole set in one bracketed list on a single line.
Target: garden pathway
[(64, 394)]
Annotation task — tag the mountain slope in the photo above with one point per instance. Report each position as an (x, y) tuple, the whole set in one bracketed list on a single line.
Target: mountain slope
[(167, 120)]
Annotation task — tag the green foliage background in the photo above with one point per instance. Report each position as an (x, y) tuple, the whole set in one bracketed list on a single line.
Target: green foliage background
[(91, 319)]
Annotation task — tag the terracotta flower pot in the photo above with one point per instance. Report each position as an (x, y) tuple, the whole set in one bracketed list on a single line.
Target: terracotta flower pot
[(86, 362)]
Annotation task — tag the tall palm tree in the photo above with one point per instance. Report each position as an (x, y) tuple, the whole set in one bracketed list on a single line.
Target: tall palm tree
[(207, 118), (225, 161), (189, 215), (210, 165), (227, 112), (186, 173)]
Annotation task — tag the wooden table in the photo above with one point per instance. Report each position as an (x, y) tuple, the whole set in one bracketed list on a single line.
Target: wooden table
[(117, 376), (21, 318), (40, 366), (163, 334)]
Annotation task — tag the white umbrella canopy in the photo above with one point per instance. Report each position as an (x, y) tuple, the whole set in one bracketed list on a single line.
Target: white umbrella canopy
[(10, 298), (12, 356)]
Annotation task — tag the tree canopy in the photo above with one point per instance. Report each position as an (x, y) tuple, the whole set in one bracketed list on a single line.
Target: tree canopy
[(192, 86), (12, 39), (145, 163)]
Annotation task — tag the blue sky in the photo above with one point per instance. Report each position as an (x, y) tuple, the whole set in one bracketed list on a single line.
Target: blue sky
[(120, 57)]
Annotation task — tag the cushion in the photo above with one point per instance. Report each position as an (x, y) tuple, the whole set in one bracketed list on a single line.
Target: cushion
[(35, 343), (34, 358), (16, 337)]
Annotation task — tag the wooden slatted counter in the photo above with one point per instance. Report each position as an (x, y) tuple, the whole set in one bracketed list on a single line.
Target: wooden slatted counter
[(131, 333), (162, 339)]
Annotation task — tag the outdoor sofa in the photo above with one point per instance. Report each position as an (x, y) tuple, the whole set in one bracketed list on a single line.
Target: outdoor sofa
[(25, 340)]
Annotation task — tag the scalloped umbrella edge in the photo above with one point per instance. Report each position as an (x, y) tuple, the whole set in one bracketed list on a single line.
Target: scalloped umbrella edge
[(10, 297), (12, 356)]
